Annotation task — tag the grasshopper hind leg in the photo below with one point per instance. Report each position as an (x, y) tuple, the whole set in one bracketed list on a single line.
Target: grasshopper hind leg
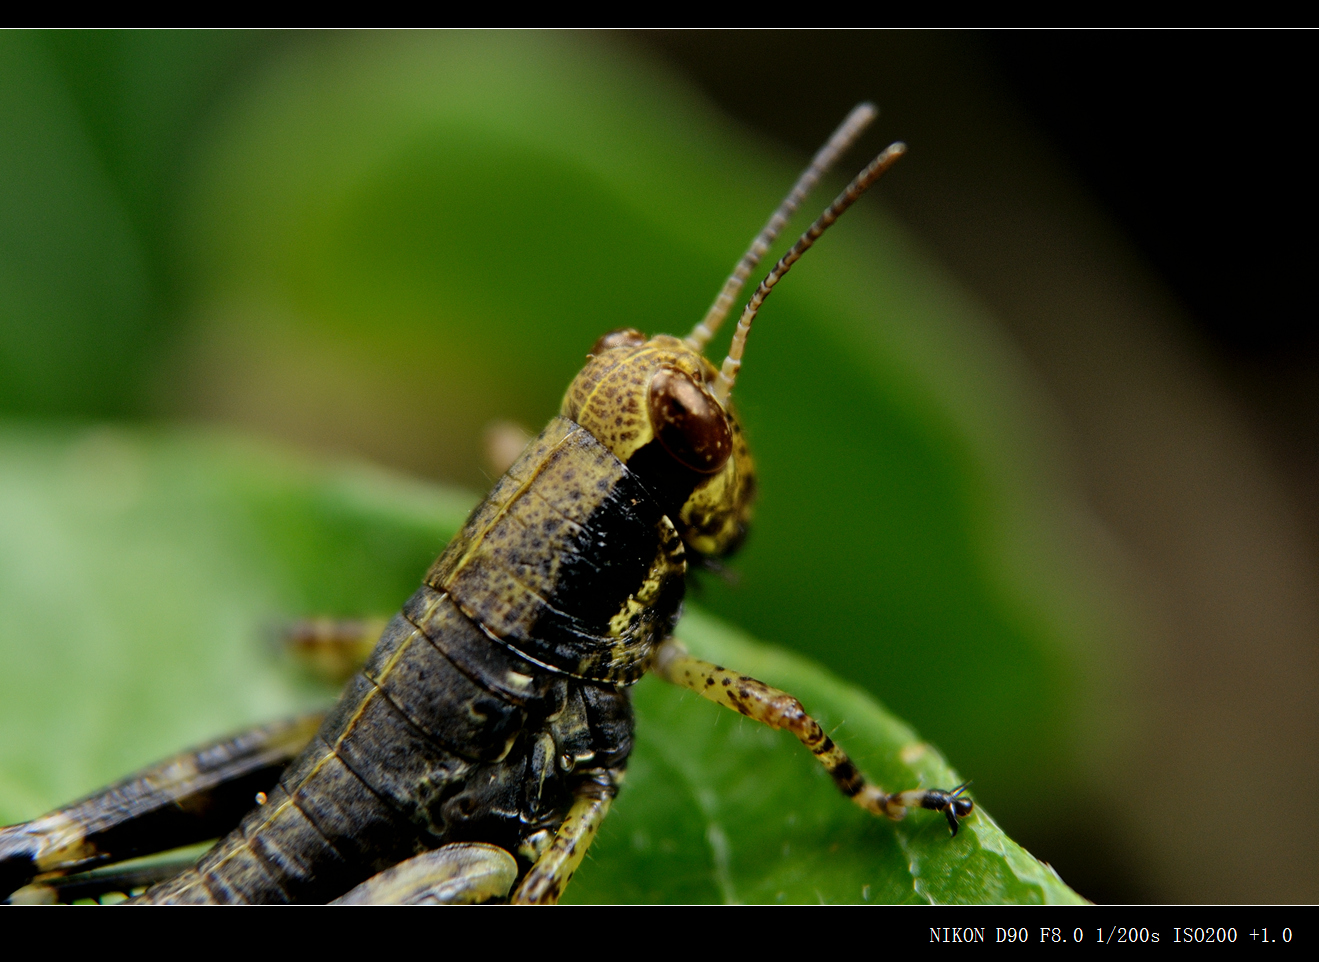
[(189, 798), (464, 873)]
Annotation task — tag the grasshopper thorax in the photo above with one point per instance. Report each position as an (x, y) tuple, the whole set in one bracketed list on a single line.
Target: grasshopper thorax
[(650, 402)]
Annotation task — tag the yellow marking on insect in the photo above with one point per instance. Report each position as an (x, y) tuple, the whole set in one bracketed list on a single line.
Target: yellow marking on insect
[(536, 845), (35, 893), (63, 842), (462, 873), (517, 680), (608, 397), (669, 561)]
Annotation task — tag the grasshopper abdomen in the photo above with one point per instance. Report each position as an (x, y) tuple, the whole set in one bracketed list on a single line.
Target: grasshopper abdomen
[(489, 698)]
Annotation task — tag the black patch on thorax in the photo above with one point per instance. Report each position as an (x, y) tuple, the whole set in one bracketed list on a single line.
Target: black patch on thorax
[(620, 539)]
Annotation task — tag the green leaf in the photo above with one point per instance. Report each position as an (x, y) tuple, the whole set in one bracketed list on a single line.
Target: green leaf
[(142, 574)]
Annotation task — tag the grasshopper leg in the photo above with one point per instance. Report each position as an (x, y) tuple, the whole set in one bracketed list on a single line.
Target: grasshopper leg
[(778, 709), (108, 883), (547, 879), (189, 798), (333, 649), (464, 873)]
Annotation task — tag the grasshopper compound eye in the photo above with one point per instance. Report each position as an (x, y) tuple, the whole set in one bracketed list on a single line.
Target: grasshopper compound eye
[(689, 422)]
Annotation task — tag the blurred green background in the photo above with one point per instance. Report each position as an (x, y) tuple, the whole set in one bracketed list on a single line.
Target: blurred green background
[(371, 246)]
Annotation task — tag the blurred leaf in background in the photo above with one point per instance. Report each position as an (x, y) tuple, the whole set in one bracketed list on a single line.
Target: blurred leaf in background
[(376, 244), (96, 126), (74, 283)]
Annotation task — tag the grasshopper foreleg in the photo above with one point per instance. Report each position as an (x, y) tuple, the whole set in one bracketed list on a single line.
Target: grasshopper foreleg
[(545, 883), (778, 709)]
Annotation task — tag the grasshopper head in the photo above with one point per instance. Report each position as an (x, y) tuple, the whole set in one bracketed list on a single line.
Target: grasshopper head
[(663, 409), (651, 403)]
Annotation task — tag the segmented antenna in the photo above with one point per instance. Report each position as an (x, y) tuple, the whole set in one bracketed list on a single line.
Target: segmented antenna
[(723, 385), (843, 138)]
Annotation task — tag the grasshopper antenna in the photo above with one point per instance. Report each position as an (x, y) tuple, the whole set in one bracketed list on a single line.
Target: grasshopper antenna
[(843, 138), (723, 386)]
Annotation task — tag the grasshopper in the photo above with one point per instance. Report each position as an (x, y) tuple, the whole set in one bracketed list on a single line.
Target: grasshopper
[(475, 754)]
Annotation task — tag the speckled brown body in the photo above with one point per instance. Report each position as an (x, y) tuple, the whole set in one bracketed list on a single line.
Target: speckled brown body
[(490, 698)]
